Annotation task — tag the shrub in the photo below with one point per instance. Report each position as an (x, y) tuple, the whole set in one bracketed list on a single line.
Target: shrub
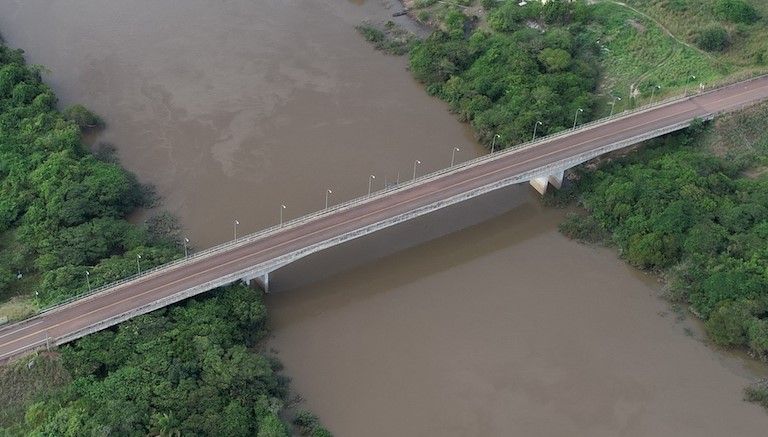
[(371, 33), (306, 421), (82, 117), (736, 11), (583, 229), (712, 39), (321, 432), (757, 392)]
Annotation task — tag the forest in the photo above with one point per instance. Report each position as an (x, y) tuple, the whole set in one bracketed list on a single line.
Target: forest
[(515, 77), (675, 206), (691, 206), (62, 208)]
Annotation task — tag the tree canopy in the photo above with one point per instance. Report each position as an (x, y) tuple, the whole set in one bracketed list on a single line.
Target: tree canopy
[(672, 206), (538, 65), (62, 212)]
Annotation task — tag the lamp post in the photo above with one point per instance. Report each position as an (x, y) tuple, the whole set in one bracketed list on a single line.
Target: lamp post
[(414, 167), (282, 207), (657, 87), (370, 179), (576, 117), (235, 226), (186, 241), (535, 125), (685, 90), (327, 192), (453, 154), (87, 279), (138, 265), (493, 143), (613, 105)]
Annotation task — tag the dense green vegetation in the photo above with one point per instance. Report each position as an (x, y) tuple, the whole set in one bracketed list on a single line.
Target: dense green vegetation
[(681, 205), (187, 370), (673, 206), (504, 82), (505, 67), (62, 211)]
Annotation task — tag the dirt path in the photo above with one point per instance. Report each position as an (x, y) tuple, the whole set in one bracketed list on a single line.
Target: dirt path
[(633, 88), (661, 26)]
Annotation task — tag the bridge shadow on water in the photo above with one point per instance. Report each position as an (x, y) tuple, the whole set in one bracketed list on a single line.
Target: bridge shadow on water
[(381, 244)]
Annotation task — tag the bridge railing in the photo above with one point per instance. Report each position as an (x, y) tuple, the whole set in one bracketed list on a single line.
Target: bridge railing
[(377, 194)]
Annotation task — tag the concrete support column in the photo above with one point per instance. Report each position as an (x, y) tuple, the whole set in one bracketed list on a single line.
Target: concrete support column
[(557, 179), (541, 183), (262, 280)]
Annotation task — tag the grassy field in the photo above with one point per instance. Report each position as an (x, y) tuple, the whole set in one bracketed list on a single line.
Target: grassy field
[(17, 308), (654, 43), (25, 380), (685, 18), (638, 57)]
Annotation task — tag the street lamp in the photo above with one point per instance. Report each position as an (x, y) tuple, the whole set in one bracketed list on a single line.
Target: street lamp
[(685, 90), (186, 241), (327, 192), (657, 87), (236, 223), (282, 207), (414, 167), (576, 117), (138, 266), (453, 154), (493, 143), (88, 280), (613, 105), (370, 179), (535, 125)]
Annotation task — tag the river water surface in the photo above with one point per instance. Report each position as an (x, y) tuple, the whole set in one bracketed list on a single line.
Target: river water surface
[(233, 108)]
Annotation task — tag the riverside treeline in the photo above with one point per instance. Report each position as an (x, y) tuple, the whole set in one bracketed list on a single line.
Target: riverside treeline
[(673, 206), (194, 369), (62, 210), (692, 205), (676, 206)]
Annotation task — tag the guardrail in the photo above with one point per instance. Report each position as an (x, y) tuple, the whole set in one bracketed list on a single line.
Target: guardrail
[(113, 286)]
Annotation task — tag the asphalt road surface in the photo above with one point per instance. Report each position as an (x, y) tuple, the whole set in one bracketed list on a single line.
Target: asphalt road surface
[(44, 329)]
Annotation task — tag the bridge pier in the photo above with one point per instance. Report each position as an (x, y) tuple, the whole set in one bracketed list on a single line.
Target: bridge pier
[(262, 280), (541, 183)]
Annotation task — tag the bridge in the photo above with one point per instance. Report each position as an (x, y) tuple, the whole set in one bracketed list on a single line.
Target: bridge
[(254, 256)]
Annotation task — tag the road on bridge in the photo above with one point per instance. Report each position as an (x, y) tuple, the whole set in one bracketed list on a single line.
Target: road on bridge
[(44, 329)]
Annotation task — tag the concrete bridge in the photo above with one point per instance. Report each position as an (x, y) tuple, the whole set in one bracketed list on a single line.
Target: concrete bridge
[(254, 256)]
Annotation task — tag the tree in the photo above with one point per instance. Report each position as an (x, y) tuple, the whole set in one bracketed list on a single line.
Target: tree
[(271, 426), (164, 425), (728, 324), (555, 60)]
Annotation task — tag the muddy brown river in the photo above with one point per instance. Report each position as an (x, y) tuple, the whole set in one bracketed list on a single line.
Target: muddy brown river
[(493, 325)]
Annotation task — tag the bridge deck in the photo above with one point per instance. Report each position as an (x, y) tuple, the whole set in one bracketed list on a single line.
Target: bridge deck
[(217, 267)]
